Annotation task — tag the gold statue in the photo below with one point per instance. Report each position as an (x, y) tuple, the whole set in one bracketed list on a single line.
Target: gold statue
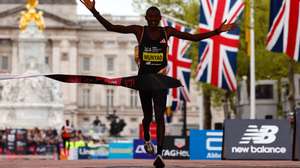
[(33, 3), (31, 15)]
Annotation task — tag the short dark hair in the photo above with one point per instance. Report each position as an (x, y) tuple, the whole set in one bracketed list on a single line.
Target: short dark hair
[(153, 8)]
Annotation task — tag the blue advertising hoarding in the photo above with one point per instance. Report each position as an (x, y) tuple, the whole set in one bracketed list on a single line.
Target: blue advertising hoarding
[(121, 150), (206, 144), (95, 152)]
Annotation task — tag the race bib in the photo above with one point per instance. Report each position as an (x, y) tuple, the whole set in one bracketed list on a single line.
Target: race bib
[(152, 57)]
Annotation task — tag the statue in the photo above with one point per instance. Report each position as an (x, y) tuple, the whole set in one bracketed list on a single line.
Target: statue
[(31, 15), (32, 3)]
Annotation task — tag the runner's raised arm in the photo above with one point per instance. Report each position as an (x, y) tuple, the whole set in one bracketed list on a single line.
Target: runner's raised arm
[(200, 36), (135, 29)]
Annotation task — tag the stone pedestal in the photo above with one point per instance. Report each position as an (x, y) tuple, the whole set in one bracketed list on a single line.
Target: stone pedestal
[(31, 102)]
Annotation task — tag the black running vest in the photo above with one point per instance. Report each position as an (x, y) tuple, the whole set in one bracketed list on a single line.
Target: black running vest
[(152, 53)]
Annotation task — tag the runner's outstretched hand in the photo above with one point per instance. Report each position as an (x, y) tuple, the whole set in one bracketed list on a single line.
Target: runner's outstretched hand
[(226, 27), (90, 4)]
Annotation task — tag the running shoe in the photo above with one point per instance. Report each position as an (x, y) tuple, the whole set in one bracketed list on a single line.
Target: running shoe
[(149, 148), (159, 162)]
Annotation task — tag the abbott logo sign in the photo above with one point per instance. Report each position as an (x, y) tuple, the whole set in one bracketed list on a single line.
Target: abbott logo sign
[(206, 144), (257, 139)]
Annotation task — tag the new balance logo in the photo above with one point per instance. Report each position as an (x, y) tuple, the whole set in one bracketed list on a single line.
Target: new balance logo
[(265, 135)]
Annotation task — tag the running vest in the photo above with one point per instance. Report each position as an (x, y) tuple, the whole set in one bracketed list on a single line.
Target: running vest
[(152, 53)]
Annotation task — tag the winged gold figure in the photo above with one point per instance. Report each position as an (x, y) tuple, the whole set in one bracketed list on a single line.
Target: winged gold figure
[(31, 15)]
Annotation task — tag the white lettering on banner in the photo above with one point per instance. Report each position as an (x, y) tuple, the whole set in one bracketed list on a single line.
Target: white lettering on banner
[(140, 149), (260, 150), (213, 155), (83, 151), (265, 135), (264, 149), (210, 141), (175, 153), (240, 149)]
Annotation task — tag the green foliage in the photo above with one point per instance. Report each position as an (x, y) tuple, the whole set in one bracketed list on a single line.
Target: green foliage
[(186, 10), (269, 65)]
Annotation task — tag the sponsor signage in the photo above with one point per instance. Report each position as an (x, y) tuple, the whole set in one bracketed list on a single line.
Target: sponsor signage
[(120, 150), (96, 152), (176, 147), (139, 150), (206, 144), (257, 139), (83, 153)]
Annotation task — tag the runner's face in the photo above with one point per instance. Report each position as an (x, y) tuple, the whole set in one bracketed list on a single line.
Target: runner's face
[(153, 18)]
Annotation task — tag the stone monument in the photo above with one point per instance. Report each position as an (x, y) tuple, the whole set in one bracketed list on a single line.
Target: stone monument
[(31, 102)]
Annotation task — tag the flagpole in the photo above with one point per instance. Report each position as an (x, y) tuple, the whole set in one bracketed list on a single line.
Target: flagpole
[(252, 62), (184, 133)]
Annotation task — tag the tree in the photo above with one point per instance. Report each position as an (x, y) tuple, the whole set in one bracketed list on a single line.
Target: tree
[(269, 65)]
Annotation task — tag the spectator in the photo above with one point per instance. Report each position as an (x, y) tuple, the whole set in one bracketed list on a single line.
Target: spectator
[(96, 122), (2, 142), (112, 116), (31, 144)]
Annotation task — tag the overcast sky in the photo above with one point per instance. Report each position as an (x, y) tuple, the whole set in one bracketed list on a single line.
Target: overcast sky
[(113, 7)]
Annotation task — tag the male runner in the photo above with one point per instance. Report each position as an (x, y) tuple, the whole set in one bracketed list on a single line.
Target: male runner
[(153, 40)]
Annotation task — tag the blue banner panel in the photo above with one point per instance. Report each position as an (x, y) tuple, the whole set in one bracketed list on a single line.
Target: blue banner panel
[(95, 152), (206, 144), (139, 151), (120, 150), (83, 153)]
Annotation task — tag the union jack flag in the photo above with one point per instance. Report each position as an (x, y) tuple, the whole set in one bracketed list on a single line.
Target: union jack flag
[(179, 63), (284, 31), (217, 55)]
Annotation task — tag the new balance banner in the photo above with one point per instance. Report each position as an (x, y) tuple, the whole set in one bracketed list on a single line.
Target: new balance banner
[(206, 144), (257, 139), (139, 150), (120, 150), (297, 138), (176, 147)]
